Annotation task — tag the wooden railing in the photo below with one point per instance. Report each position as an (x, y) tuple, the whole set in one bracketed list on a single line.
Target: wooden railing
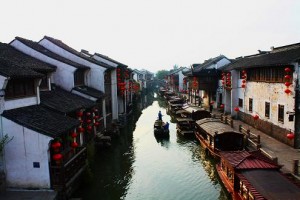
[(227, 120), (251, 138), (62, 175)]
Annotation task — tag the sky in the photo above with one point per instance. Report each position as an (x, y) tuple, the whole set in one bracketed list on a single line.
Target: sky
[(156, 34)]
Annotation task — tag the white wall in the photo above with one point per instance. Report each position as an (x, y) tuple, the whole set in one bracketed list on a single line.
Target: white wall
[(18, 103), (95, 75), (26, 147), (64, 75)]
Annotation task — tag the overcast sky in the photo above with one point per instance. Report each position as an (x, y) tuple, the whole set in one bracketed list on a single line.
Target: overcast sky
[(156, 34)]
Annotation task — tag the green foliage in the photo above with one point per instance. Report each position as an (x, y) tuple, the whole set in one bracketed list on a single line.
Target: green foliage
[(161, 74), (3, 141)]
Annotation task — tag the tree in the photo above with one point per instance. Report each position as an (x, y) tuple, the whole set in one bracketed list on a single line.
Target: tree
[(160, 75)]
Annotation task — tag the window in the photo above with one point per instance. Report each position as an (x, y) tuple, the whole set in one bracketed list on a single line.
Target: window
[(240, 102), (267, 109), (44, 83), (280, 113), (79, 77), (250, 105), (19, 88), (266, 74)]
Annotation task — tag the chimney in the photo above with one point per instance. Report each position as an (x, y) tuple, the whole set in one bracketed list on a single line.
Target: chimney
[(272, 48)]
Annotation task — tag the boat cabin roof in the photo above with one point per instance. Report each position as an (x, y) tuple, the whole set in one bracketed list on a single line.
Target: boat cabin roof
[(214, 126), (184, 119), (261, 185)]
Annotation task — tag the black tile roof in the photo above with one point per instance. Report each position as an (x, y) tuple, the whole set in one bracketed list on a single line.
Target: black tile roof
[(15, 56), (64, 101), (8, 69), (75, 52), (90, 91), (41, 120), (207, 63), (110, 59), (36, 46), (280, 56)]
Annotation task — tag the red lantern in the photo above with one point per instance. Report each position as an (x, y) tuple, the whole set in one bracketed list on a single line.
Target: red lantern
[(287, 91), (74, 144), (56, 145), (95, 110), (57, 156), (287, 84), (255, 117), (212, 102), (80, 130), (96, 117), (236, 109), (222, 106), (73, 135), (89, 128), (244, 71), (96, 123), (287, 69), (88, 121), (287, 76), (243, 85), (79, 114), (88, 114), (290, 136)]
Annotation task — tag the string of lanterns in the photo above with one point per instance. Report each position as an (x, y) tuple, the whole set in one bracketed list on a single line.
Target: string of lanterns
[(288, 78), (244, 78)]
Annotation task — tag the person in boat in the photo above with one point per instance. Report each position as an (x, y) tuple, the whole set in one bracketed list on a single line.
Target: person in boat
[(159, 116), (166, 126)]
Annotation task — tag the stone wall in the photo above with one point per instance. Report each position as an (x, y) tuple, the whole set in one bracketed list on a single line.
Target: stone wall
[(267, 128)]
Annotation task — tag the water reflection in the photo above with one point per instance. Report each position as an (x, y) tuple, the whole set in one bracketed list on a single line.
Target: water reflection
[(139, 166)]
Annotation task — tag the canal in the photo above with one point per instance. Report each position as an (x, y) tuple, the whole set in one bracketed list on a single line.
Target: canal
[(139, 167)]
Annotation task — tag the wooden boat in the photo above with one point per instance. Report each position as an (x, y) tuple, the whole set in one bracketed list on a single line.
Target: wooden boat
[(215, 136), (250, 175), (186, 126), (160, 130)]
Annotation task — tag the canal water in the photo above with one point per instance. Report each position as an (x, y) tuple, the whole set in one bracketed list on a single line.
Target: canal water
[(139, 167)]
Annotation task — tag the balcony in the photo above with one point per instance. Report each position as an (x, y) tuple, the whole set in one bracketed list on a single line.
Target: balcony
[(65, 173)]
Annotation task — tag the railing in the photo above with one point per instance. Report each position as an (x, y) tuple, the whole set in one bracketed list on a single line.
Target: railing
[(227, 120), (251, 138), (62, 175)]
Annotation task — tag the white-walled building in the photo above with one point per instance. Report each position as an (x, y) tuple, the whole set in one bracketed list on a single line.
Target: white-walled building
[(262, 91)]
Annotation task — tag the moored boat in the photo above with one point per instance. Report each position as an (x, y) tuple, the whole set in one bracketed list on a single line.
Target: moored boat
[(215, 136), (250, 175), (186, 126)]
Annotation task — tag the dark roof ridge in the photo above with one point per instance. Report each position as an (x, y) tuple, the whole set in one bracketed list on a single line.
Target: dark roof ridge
[(73, 51), (37, 47)]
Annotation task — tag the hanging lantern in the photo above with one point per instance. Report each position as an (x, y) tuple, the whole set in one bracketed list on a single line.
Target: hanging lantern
[(89, 128), (96, 117), (287, 69), (222, 106), (287, 91), (96, 123), (287, 76), (56, 145), (290, 135), (88, 121), (95, 110), (243, 81), (74, 144), (57, 156), (236, 109), (88, 114), (79, 114), (80, 130), (255, 117), (243, 85), (73, 134), (211, 103), (287, 84), (244, 71)]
